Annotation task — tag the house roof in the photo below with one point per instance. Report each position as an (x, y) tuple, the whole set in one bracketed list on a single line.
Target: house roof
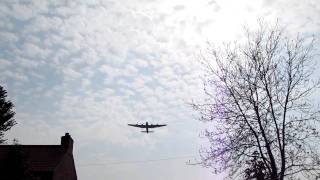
[(39, 157)]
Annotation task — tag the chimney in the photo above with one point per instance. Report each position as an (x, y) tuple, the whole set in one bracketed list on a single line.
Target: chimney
[(67, 143)]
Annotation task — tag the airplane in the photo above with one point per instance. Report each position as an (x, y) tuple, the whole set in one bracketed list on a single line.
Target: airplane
[(147, 126)]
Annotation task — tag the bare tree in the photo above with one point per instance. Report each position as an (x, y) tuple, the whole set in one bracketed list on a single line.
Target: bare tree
[(257, 100), (6, 114)]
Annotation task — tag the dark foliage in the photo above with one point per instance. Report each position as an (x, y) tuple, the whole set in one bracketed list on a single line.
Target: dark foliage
[(256, 169), (6, 114)]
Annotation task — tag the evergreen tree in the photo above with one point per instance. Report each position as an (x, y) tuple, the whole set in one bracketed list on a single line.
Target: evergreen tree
[(6, 114)]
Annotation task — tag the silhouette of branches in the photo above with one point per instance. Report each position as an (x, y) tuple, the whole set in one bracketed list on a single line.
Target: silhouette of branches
[(257, 98)]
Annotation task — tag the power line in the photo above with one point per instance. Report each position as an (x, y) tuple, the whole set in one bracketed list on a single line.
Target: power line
[(136, 161)]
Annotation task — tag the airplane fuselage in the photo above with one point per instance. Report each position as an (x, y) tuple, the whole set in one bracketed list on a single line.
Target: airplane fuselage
[(147, 128)]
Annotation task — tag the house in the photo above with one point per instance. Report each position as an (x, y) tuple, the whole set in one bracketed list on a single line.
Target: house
[(38, 162)]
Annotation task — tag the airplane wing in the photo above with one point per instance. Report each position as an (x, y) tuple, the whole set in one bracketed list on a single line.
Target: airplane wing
[(156, 125), (138, 125)]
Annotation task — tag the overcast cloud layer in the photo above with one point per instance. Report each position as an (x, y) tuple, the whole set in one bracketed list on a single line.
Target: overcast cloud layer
[(91, 67)]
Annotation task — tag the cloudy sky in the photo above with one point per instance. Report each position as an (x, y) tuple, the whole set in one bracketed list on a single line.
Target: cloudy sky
[(90, 67)]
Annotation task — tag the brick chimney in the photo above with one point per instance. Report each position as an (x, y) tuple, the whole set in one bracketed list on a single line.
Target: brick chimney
[(67, 143)]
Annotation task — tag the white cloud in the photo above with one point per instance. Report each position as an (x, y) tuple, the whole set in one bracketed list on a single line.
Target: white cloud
[(27, 63), (4, 64), (43, 23), (14, 75), (8, 37), (71, 74)]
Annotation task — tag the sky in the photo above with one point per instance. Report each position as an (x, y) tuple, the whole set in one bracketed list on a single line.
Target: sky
[(91, 67)]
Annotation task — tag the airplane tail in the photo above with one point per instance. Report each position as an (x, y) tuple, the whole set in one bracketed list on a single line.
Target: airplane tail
[(147, 132)]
